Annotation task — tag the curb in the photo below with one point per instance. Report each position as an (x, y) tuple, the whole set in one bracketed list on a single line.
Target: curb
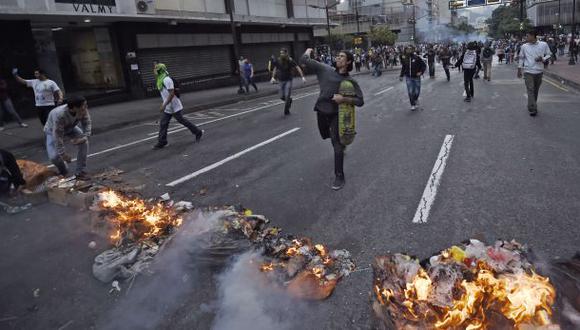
[(563, 81)]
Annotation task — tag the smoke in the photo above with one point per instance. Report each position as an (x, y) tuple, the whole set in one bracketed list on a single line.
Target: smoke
[(246, 301), (154, 299)]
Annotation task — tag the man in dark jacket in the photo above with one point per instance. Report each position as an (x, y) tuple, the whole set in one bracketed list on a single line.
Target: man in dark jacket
[(445, 58), (412, 68), (10, 175), (326, 106), (470, 62), (430, 56)]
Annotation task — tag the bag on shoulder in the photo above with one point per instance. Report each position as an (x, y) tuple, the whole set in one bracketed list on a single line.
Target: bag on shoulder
[(176, 86), (469, 59)]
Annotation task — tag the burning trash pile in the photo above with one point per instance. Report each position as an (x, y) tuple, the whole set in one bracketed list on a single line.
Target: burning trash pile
[(305, 270), (472, 286), (139, 229)]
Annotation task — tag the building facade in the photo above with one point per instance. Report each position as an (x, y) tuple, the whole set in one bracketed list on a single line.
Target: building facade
[(553, 15), (104, 49)]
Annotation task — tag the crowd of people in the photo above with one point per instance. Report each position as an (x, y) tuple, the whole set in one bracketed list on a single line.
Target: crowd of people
[(70, 120)]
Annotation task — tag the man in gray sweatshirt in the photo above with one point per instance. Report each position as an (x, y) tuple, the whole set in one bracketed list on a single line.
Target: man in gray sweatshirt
[(326, 106), (72, 121)]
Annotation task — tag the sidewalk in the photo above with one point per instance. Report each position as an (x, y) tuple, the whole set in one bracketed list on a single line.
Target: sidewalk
[(117, 115), (564, 73)]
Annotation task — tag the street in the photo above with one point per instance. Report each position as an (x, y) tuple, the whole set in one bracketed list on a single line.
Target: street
[(417, 182)]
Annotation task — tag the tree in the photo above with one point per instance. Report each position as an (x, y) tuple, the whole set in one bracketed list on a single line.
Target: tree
[(506, 21), (382, 35)]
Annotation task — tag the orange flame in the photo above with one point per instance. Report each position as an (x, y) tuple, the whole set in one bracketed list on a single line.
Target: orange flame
[(154, 219), (521, 298)]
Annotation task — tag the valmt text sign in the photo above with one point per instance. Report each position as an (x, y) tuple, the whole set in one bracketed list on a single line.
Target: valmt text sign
[(87, 6)]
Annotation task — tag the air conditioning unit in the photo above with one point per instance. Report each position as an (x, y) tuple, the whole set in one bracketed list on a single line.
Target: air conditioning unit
[(145, 6)]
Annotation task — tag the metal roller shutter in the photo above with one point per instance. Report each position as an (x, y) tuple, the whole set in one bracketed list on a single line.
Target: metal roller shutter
[(259, 54), (300, 48), (185, 64)]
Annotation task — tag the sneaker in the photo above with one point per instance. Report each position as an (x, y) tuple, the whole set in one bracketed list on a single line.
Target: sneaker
[(199, 135), (159, 146), (83, 176), (23, 125), (533, 113), (338, 183), (413, 107)]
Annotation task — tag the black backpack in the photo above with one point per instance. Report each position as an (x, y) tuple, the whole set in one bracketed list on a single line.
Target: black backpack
[(176, 87)]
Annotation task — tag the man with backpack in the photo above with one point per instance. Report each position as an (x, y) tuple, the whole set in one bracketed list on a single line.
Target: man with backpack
[(470, 62), (171, 106), (10, 174), (283, 71), (486, 60), (412, 68)]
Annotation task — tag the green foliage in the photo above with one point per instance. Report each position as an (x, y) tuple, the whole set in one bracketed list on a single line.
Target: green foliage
[(505, 21), (466, 28), (382, 35)]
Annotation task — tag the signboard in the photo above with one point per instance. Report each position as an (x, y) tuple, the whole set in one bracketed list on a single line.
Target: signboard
[(493, 2), (457, 4), (87, 6)]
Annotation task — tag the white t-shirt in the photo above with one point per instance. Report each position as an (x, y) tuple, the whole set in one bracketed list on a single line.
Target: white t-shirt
[(175, 104), (43, 91)]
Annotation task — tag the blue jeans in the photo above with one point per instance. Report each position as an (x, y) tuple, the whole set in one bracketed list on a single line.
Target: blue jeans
[(57, 160), (164, 125), (414, 89), (285, 91)]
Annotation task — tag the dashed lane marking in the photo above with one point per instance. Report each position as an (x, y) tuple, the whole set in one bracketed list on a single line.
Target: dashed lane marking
[(229, 159), (428, 198)]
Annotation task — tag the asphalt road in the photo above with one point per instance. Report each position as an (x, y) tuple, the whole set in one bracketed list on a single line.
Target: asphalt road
[(507, 175)]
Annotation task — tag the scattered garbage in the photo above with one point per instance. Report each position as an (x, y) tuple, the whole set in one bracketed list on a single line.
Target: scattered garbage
[(36, 293), (115, 286), (15, 209), (92, 245), (468, 286)]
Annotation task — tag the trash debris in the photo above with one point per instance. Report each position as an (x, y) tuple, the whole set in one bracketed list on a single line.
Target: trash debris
[(92, 245), (182, 206), (165, 197), (36, 293), (34, 174), (115, 286), (472, 286), (15, 209)]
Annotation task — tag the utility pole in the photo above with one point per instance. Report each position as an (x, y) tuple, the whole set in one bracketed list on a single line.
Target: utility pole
[(572, 39), (356, 16), (414, 24), (234, 33)]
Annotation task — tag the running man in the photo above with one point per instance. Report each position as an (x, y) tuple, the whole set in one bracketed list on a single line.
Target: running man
[(283, 71), (171, 107), (412, 68), (532, 56), (44, 93), (326, 106)]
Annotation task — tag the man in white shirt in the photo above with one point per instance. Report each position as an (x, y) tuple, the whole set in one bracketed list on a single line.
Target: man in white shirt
[(171, 106), (44, 93), (533, 54)]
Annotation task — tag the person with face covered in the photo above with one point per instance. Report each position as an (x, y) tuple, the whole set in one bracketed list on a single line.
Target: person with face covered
[(326, 107), (412, 68), (171, 106), (69, 121), (283, 72)]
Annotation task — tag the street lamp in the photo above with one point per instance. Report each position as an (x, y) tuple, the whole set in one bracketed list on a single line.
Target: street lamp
[(326, 7)]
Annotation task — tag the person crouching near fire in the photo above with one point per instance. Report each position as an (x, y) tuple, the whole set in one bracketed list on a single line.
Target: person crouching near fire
[(70, 121)]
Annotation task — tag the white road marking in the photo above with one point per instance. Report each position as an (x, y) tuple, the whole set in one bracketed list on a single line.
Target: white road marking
[(239, 113), (384, 91), (554, 84), (228, 159), (430, 191)]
